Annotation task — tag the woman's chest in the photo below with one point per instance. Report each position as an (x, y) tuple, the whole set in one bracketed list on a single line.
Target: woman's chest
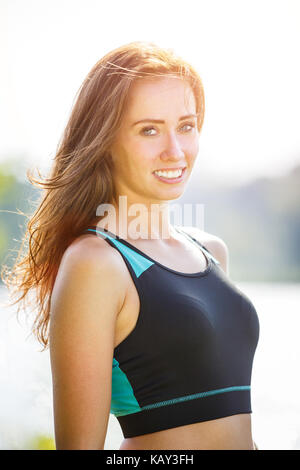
[(204, 310)]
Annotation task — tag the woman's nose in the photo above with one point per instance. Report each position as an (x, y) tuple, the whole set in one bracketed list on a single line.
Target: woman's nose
[(172, 149)]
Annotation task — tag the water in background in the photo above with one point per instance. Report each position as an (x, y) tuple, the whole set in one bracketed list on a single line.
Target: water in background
[(26, 386)]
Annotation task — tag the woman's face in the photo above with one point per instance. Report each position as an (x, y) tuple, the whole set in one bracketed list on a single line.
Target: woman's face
[(142, 148)]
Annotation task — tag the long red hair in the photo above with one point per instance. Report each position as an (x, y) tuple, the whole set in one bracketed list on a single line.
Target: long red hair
[(80, 178)]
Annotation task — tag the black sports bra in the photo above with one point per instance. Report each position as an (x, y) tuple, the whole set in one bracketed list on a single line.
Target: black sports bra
[(189, 357)]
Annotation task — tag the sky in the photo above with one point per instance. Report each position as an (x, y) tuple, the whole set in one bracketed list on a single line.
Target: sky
[(246, 52)]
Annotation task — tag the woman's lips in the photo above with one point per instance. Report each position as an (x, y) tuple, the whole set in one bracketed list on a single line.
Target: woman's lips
[(171, 180)]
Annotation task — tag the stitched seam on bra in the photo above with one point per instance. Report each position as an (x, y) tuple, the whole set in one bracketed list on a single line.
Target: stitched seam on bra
[(196, 395), (192, 397)]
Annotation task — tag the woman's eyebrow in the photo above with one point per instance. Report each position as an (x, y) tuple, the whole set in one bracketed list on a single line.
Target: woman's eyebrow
[(159, 121)]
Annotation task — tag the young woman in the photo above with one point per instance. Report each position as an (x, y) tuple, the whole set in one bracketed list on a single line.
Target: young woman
[(144, 320)]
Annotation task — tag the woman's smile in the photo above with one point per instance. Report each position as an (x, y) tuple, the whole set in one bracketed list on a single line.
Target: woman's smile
[(170, 177)]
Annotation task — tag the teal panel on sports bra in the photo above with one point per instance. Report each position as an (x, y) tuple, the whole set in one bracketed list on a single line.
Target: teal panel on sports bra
[(138, 262), (123, 401)]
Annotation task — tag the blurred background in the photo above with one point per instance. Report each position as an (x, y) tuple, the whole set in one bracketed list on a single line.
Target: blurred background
[(247, 175)]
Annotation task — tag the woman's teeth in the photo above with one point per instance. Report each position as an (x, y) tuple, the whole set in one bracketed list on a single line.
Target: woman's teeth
[(169, 174)]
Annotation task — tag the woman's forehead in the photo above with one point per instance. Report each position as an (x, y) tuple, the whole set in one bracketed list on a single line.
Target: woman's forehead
[(151, 95)]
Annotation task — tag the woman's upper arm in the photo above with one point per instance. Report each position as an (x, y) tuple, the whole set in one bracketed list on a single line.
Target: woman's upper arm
[(85, 302)]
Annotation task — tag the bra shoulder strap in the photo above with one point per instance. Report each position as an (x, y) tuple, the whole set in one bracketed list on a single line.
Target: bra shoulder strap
[(189, 236), (136, 263)]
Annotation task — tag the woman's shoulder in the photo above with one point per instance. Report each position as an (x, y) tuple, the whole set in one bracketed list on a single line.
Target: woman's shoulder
[(213, 243), (89, 247), (90, 264), (96, 254)]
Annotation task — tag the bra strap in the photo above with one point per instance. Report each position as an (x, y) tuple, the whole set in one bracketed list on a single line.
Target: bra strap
[(180, 230)]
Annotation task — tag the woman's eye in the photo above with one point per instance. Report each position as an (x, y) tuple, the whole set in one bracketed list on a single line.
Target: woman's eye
[(192, 125), (146, 129)]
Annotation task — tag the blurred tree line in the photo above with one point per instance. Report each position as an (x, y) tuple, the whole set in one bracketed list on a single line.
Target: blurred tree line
[(259, 221), (15, 197)]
